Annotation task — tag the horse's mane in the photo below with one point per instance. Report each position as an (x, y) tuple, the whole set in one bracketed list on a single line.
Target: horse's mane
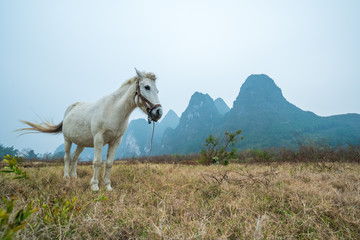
[(148, 75)]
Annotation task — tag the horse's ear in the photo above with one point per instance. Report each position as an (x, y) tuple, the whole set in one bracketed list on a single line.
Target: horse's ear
[(140, 74)]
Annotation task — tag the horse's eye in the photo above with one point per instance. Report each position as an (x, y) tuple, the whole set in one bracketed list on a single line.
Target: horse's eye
[(147, 87)]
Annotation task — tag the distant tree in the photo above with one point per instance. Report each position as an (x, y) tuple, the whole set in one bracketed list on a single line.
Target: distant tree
[(58, 154), (46, 156), (7, 150), (31, 154), (28, 153)]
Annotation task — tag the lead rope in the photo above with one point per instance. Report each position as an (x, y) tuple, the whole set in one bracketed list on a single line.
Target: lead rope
[(152, 138), (148, 158)]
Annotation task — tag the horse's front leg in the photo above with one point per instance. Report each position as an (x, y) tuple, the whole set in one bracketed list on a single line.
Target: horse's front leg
[(98, 146), (109, 163)]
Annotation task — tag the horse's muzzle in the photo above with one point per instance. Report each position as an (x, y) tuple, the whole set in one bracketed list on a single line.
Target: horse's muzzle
[(156, 114)]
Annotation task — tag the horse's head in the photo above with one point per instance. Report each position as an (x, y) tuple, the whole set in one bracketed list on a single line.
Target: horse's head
[(147, 98)]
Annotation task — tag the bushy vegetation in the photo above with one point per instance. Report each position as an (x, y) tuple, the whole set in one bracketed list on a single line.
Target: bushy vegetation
[(221, 150), (306, 152), (309, 152)]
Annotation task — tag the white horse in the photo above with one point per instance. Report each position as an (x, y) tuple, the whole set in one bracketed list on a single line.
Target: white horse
[(103, 122)]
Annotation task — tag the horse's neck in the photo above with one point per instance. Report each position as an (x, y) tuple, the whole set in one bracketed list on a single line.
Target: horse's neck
[(123, 102)]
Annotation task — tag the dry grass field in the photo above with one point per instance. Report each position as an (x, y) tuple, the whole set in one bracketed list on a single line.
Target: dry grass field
[(174, 201)]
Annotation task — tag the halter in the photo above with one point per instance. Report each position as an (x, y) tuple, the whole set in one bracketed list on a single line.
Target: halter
[(149, 105)]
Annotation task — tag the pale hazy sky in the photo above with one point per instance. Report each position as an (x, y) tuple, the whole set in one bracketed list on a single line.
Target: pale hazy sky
[(55, 53)]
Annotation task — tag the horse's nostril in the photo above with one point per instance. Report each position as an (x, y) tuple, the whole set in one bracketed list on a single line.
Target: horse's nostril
[(159, 112)]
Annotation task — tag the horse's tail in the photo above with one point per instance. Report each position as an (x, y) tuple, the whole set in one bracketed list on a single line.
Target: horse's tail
[(42, 127)]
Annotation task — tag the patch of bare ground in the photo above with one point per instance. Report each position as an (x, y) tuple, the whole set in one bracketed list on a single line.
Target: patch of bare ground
[(173, 201)]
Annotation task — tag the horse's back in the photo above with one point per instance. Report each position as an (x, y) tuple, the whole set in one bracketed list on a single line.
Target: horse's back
[(71, 107), (77, 124)]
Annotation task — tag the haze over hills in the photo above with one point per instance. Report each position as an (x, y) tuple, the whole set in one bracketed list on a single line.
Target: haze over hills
[(260, 110)]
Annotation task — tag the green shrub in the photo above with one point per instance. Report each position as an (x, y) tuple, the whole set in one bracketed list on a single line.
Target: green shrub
[(11, 223), (13, 167), (216, 150), (58, 210), (262, 155)]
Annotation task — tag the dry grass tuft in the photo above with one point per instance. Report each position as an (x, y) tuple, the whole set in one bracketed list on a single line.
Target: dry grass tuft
[(172, 201)]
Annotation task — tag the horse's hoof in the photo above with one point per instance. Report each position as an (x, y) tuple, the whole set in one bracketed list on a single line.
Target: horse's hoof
[(66, 176), (95, 188), (108, 187)]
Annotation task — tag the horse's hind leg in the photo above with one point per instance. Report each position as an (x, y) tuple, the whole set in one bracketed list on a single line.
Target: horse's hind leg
[(67, 147), (74, 160)]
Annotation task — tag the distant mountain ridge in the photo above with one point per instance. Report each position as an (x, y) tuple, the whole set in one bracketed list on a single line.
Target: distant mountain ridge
[(221, 106), (260, 110), (269, 120)]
